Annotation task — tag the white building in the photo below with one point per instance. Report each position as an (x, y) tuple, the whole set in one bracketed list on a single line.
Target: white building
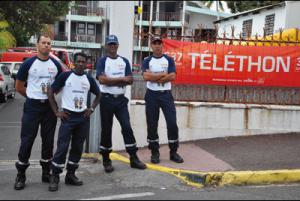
[(284, 15), (85, 26), (175, 18)]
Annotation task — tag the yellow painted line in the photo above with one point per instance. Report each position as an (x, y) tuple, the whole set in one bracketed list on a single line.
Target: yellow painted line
[(181, 174), (252, 177), (201, 179)]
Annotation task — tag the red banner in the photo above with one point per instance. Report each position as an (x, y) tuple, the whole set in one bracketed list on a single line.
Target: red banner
[(215, 64)]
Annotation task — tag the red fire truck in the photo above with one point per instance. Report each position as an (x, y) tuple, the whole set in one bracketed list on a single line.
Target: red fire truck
[(20, 56), (22, 53)]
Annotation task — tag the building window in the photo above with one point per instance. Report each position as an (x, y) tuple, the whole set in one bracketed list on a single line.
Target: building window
[(91, 29), (247, 28), (269, 24), (81, 28)]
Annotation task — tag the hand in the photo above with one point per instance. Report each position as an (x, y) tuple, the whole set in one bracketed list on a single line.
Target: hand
[(163, 79), (62, 115), (127, 79), (88, 112)]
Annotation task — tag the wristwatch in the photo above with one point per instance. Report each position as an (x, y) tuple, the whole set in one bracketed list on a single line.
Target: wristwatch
[(92, 109)]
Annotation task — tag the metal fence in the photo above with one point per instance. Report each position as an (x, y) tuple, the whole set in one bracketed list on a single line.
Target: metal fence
[(226, 94), (233, 94)]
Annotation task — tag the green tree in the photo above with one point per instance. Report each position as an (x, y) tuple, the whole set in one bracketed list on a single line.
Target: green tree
[(240, 6), (7, 40), (28, 18), (219, 5)]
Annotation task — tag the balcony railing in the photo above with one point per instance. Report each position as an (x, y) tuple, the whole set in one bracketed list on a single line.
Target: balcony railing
[(163, 16), (144, 42), (85, 38), (87, 11), (78, 38), (61, 36)]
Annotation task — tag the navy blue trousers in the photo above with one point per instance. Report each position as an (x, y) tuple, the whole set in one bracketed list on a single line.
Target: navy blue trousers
[(164, 100), (74, 131), (36, 114), (110, 106)]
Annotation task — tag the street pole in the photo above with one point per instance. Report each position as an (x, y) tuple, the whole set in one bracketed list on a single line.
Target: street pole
[(121, 17), (122, 25)]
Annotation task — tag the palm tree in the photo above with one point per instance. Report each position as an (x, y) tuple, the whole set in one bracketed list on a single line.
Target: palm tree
[(219, 5), (7, 40)]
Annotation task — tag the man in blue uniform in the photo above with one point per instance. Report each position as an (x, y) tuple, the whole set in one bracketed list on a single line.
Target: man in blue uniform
[(114, 74), (159, 70), (34, 76), (74, 86)]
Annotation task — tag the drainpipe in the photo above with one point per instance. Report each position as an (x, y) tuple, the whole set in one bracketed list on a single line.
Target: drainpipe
[(69, 28), (217, 7), (183, 20), (140, 27), (150, 22)]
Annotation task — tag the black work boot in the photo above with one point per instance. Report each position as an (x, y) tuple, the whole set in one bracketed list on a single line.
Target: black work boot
[(46, 175), (107, 164), (108, 168), (136, 163), (54, 181), (20, 181), (155, 156), (71, 179), (21, 177), (174, 156), (45, 171)]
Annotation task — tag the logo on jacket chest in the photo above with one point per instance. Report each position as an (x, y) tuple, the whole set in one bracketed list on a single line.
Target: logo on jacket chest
[(159, 68), (51, 71), (85, 86)]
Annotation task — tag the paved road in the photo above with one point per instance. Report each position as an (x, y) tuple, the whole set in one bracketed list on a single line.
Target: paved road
[(124, 183)]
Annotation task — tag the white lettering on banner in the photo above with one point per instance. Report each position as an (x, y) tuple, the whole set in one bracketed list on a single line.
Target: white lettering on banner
[(194, 55), (228, 63), (250, 64), (215, 64), (267, 64), (286, 68), (265, 68), (298, 62), (177, 56), (242, 58), (202, 61)]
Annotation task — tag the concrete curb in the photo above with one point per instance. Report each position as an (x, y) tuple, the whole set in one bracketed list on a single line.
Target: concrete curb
[(202, 179)]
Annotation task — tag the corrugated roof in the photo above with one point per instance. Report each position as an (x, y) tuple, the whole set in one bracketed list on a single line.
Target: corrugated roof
[(250, 11)]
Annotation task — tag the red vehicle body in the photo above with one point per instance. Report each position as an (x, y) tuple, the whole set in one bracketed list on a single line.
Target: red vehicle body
[(16, 56), (22, 53)]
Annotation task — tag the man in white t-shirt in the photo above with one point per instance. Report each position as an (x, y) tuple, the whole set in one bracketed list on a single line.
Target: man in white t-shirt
[(35, 76), (159, 71), (114, 74), (75, 115)]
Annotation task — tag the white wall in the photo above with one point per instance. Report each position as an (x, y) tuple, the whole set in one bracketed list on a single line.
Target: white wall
[(121, 24), (257, 24), (198, 19), (211, 120), (292, 14)]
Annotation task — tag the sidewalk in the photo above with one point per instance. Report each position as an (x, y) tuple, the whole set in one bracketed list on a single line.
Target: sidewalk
[(265, 159)]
